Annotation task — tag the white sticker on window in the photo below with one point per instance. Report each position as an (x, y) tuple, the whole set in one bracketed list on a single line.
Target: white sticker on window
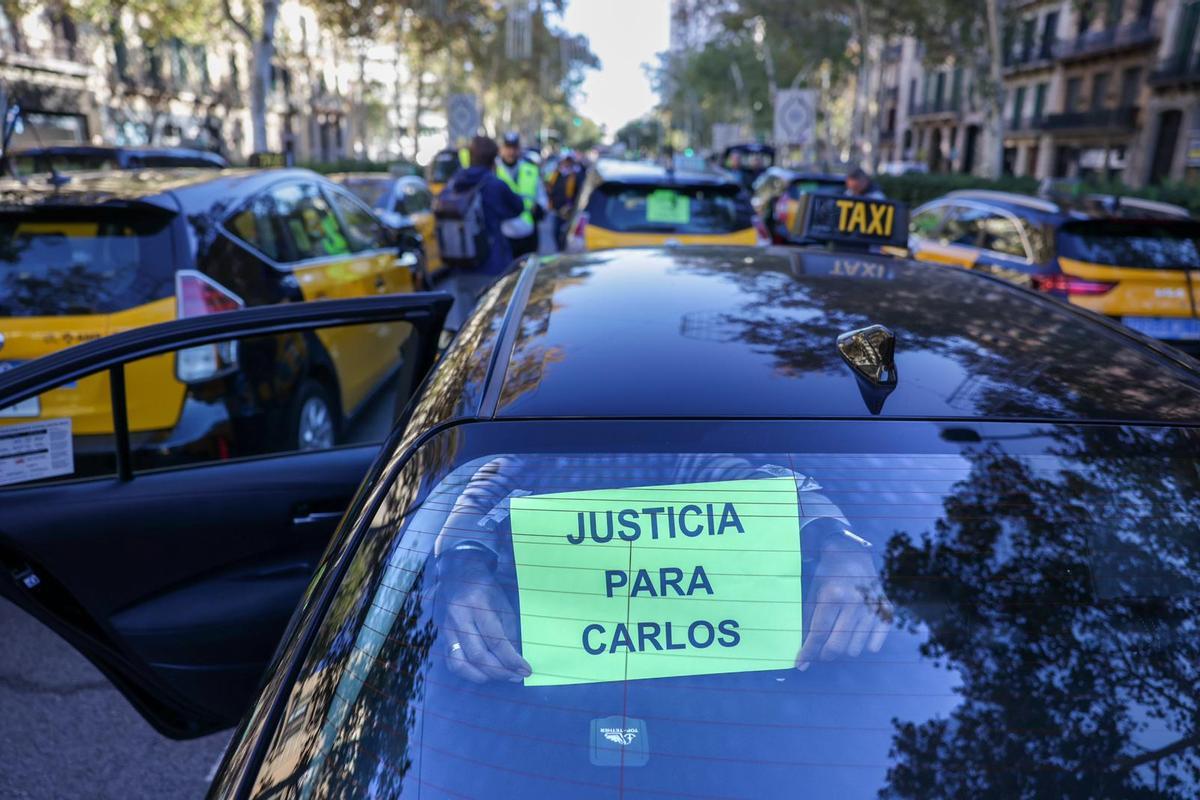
[(35, 450)]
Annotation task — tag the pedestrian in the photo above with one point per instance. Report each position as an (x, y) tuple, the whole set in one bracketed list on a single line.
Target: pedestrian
[(564, 191), (521, 175), (859, 184), (496, 203)]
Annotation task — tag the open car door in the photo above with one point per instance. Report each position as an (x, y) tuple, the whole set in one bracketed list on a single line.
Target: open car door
[(165, 493)]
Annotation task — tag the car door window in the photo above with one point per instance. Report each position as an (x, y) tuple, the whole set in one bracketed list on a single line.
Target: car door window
[(258, 226), (928, 223), (963, 226), (1000, 234), (306, 390), (363, 231), (307, 225)]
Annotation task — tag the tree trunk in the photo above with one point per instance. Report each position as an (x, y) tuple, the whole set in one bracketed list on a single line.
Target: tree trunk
[(264, 54), (994, 164), (13, 13)]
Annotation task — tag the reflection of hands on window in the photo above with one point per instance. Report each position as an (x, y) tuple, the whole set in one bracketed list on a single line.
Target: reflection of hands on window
[(480, 625), (849, 610)]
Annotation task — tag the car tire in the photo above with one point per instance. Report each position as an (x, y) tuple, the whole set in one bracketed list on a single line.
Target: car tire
[(313, 418)]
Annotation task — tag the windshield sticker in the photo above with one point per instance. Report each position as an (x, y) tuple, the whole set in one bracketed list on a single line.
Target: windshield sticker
[(658, 581), (35, 450), (666, 206)]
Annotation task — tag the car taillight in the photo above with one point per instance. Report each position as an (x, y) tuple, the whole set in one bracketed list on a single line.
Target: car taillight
[(764, 235), (575, 238), (197, 295), (1070, 286)]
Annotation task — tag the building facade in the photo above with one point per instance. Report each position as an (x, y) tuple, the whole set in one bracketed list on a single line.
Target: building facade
[(80, 83), (1101, 91)]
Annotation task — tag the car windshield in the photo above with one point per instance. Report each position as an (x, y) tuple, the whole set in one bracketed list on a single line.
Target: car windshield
[(370, 190), (1129, 243), (669, 209), (607, 608), (83, 262), (804, 186)]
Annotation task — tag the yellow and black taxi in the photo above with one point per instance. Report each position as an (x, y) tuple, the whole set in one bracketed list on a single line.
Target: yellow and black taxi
[(105, 253), (679, 522), (402, 203), (641, 203), (776, 195), (1132, 260)]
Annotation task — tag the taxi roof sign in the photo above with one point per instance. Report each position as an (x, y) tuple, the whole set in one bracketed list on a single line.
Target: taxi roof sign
[(856, 221)]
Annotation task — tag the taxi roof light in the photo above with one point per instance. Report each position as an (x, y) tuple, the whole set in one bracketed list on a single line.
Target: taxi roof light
[(850, 223)]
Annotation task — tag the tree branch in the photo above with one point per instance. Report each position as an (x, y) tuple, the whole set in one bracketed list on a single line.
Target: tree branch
[(242, 27), (1159, 754)]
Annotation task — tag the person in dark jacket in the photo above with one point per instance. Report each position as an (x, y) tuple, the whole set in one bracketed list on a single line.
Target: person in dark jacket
[(499, 204), (859, 184)]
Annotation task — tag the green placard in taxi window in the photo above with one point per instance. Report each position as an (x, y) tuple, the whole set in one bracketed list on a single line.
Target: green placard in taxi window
[(658, 581), (668, 207)]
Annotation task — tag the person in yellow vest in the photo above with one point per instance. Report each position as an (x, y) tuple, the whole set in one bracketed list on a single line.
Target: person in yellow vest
[(524, 178)]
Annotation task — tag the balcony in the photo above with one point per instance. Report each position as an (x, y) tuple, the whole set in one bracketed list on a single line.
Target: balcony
[(1122, 120), (937, 108), (1179, 71), (1143, 33), (1041, 58)]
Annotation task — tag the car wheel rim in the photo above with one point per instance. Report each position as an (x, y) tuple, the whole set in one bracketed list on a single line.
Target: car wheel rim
[(316, 425)]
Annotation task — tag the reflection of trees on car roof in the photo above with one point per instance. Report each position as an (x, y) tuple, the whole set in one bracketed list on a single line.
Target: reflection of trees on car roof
[(994, 332), (1064, 599)]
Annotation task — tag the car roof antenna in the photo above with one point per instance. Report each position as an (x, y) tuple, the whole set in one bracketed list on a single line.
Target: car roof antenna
[(871, 354)]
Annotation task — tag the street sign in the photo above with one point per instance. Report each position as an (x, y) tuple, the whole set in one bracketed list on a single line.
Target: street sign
[(726, 134), (462, 116), (1193, 151), (795, 116)]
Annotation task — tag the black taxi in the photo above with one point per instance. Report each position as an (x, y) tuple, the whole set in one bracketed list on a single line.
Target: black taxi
[(685, 522), (103, 253)]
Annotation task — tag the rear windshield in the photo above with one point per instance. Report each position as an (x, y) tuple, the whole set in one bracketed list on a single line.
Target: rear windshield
[(1128, 243), (620, 609), (669, 209), (443, 167), (803, 187), (66, 162), (83, 262), (369, 190)]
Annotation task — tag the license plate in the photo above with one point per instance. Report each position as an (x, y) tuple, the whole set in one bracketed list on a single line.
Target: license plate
[(1171, 328), (26, 408)]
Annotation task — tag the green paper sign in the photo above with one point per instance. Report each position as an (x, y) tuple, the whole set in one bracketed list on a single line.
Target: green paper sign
[(658, 581), (666, 206)]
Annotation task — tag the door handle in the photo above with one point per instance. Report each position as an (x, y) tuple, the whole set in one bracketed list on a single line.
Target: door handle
[(380, 283), (313, 517)]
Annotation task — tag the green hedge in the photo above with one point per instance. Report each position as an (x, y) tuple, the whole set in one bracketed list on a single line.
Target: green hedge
[(913, 190)]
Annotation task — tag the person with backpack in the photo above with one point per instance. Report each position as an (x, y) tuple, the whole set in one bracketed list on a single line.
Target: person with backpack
[(469, 213)]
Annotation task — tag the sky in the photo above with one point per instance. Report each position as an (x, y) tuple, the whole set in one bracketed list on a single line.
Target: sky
[(624, 34)]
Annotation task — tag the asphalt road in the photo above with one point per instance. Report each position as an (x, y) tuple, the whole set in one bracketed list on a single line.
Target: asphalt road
[(65, 732)]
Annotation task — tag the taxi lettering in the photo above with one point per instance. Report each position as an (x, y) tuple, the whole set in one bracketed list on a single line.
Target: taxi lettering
[(659, 636), (861, 269), (667, 522), (868, 219)]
